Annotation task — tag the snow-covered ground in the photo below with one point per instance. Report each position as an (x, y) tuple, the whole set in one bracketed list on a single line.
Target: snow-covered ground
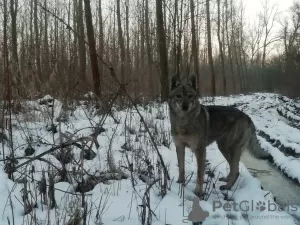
[(124, 174), (274, 130)]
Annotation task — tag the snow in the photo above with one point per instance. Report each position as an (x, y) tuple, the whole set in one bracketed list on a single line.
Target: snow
[(116, 202), (272, 124), (287, 164)]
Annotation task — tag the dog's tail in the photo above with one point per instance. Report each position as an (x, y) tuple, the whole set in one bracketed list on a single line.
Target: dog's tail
[(254, 146)]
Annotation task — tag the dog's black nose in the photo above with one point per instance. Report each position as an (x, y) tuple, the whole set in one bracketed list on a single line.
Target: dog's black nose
[(185, 106)]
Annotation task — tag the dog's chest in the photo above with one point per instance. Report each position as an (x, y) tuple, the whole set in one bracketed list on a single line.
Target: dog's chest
[(190, 141), (182, 130), (183, 126)]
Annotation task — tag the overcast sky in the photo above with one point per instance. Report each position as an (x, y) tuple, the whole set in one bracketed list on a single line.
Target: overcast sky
[(254, 6)]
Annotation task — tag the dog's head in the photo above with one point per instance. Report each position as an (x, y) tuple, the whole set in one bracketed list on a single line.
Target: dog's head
[(183, 96)]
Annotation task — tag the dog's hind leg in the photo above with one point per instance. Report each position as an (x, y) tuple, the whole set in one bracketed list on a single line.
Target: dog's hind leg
[(232, 154), (236, 145), (222, 147), (234, 171)]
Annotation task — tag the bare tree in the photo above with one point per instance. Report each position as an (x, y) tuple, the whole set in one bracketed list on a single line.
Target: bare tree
[(5, 47), (175, 53), (209, 48), (14, 37), (46, 52), (221, 47), (291, 34), (268, 16), (255, 35), (92, 47), (37, 41), (149, 49), (81, 41), (128, 61), (163, 57), (242, 52), (229, 46), (194, 44), (101, 41), (121, 43)]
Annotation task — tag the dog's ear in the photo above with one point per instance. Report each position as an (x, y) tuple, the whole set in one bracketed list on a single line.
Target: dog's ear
[(174, 82), (193, 81)]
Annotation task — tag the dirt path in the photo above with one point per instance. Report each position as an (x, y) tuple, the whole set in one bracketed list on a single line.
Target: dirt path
[(285, 190)]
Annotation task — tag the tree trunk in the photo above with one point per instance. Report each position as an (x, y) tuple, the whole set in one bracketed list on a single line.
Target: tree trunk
[(142, 72), (229, 49), (143, 34), (234, 36), (128, 61), (22, 59), (149, 52), (177, 72), (194, 45), (264, 52), (121, 43), (179, 31), (101, 42), (81, 42), (221, 48), (243, 54), (114, 52), (92, 47), (75, 75), (5, 54), (209, 46), (55, 50), (37, 42), (137, 71), (46, 44), (31, 41), (162, 48), (14, 40)]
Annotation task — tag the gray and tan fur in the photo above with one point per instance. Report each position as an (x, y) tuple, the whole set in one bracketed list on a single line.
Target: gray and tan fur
[(196, 126)]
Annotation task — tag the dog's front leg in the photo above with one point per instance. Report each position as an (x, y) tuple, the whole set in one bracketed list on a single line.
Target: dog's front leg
[(180, 150), (200, 154)]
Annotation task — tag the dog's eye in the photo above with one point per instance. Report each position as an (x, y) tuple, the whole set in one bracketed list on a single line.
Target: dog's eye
[(178, 96), (190, 96)]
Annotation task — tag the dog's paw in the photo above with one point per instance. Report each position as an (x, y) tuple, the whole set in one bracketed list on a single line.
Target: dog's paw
[(180, 181), (224, 187), (198, 193)]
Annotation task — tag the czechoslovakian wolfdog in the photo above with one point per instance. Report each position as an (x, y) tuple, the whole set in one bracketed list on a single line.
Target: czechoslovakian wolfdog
[(196, 126)]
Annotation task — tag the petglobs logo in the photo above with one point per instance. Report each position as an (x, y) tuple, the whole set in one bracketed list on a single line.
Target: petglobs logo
[(247, 206)]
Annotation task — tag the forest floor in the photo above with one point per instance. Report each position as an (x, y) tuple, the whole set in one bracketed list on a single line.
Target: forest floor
[(105, 169)]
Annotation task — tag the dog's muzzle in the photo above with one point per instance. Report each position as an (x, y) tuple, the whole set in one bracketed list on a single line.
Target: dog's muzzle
[(185, 106)]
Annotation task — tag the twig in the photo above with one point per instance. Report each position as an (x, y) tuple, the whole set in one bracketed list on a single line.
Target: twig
[(63, 145)]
